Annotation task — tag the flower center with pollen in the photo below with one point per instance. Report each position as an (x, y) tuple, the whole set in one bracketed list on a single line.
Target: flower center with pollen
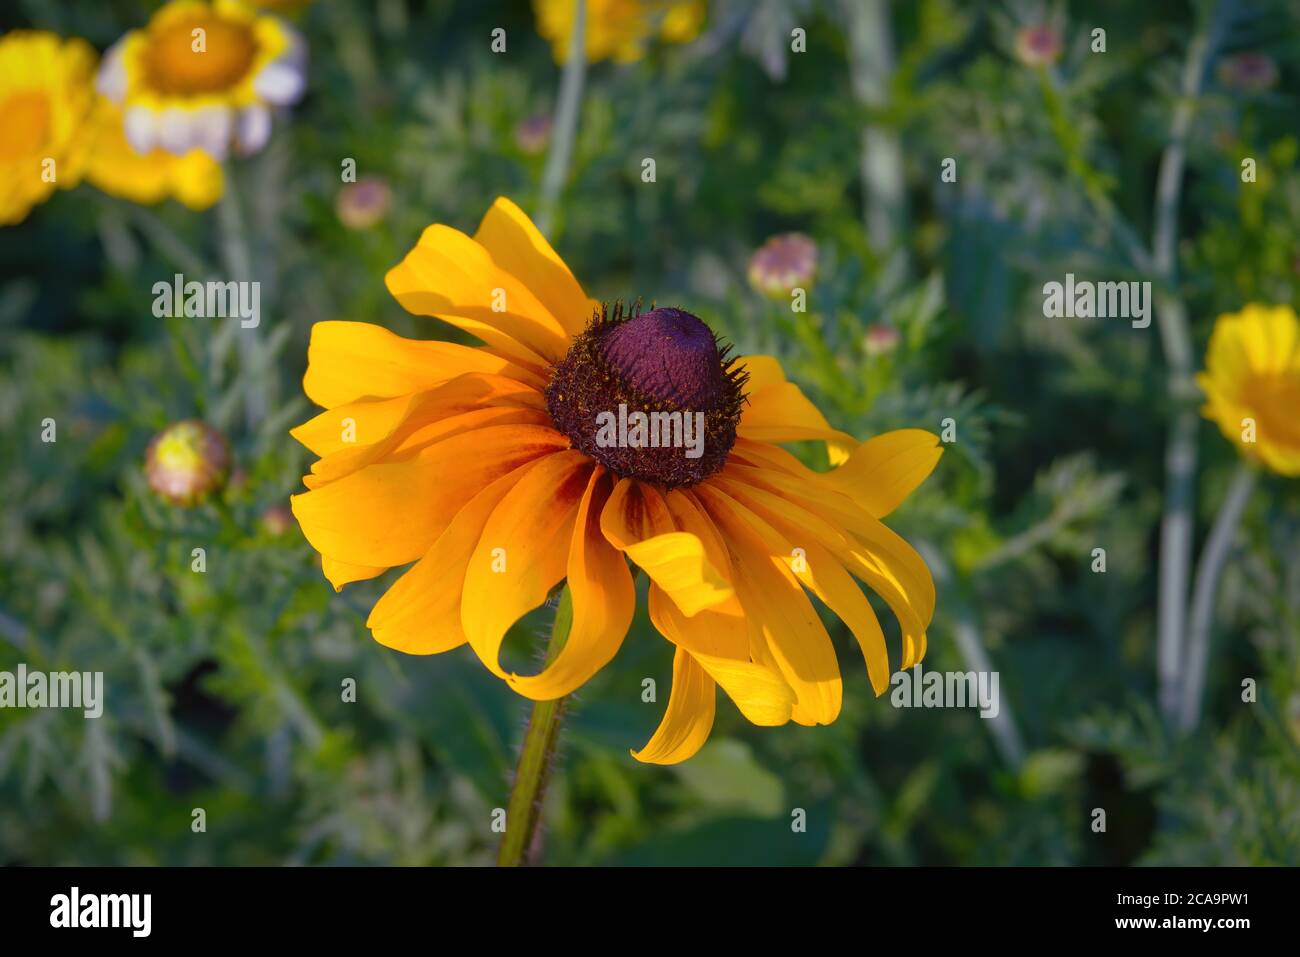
[(26, 120), (174, 65), (649, 395)]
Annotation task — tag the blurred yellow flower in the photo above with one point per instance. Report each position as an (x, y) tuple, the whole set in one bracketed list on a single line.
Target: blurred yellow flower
[(619, 29), (45, 93), (204, 76), (114, 166), (488, 469), (1252, 384)]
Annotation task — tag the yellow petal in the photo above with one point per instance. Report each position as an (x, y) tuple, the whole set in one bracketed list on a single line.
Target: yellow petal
[(341, 573), (363, 422), (720, 644), (603, 602), (785, 621), (820, 571), (687, 720), (369, 422), (519, 248), (390, 513), (890, 566), (675, 561), (523, 552), (421, 429), (778, 411), (347, 361), (1252, 384), (638, 521), (450, 276), (881, 472), (420, 614)]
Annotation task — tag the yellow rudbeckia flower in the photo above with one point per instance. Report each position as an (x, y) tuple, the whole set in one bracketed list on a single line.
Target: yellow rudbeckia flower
[(619, 29), (45, 92), (114, 166), (485, 467), (204, 76), (1252, 384)]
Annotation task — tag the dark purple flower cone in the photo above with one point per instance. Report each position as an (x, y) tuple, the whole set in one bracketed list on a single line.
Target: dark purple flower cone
[(665, 365)]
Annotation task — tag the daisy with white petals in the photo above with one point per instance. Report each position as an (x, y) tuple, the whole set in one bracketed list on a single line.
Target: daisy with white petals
[(204, 76)]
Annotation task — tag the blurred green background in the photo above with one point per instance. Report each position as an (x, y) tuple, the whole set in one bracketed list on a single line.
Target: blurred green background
[(224, 688)]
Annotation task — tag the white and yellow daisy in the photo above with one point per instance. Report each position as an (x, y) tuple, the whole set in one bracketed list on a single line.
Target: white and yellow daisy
[(204, 76)]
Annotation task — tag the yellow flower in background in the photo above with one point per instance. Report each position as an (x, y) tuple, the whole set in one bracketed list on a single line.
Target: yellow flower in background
[(619, 29), (499, 472), (204, 76), (1252, 384), (45, 93), (114, 166)]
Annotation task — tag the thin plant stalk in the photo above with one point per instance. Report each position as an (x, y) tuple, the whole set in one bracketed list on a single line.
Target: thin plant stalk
[(238, 263), (1206, 586), (871, 68), (536, 757), (1180, 450), (560, 154), (537, 754)]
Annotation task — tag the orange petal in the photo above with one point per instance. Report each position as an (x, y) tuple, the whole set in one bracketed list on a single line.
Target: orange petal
[(638, 521), (878, 556), (720, 644), (819, 570), (368, 422), (786, 625), (339, 573), (688, 719), (390, 513), (519, 248), (523, 552), (347, 361), (884, 470), (422, 428), (450, 276), (420, 614), (778, 411), (603, 602)]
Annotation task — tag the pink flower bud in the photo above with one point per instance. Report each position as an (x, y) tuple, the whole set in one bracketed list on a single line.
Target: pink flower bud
[(362, 204), (782, 264)]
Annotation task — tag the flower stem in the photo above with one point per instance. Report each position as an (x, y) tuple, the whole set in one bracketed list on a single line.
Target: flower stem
[(1180, 450), (566, 121), (238, 262), (871, 69), (1215, 556), (524, 812)]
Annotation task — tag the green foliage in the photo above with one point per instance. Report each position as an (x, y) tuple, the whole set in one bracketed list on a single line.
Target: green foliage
[(225, 689)]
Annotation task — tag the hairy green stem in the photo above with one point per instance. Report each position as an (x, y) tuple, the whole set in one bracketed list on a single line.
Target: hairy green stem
[(536, 756), (1217, 548), (566, 121)]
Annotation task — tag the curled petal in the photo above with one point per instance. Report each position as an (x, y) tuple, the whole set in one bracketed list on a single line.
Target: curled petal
[(688, 719), (603, 603)]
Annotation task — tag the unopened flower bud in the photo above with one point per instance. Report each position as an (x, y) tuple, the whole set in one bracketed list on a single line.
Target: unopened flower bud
[(782, 264), (362, 204), (1038, 46), (187, 461)]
